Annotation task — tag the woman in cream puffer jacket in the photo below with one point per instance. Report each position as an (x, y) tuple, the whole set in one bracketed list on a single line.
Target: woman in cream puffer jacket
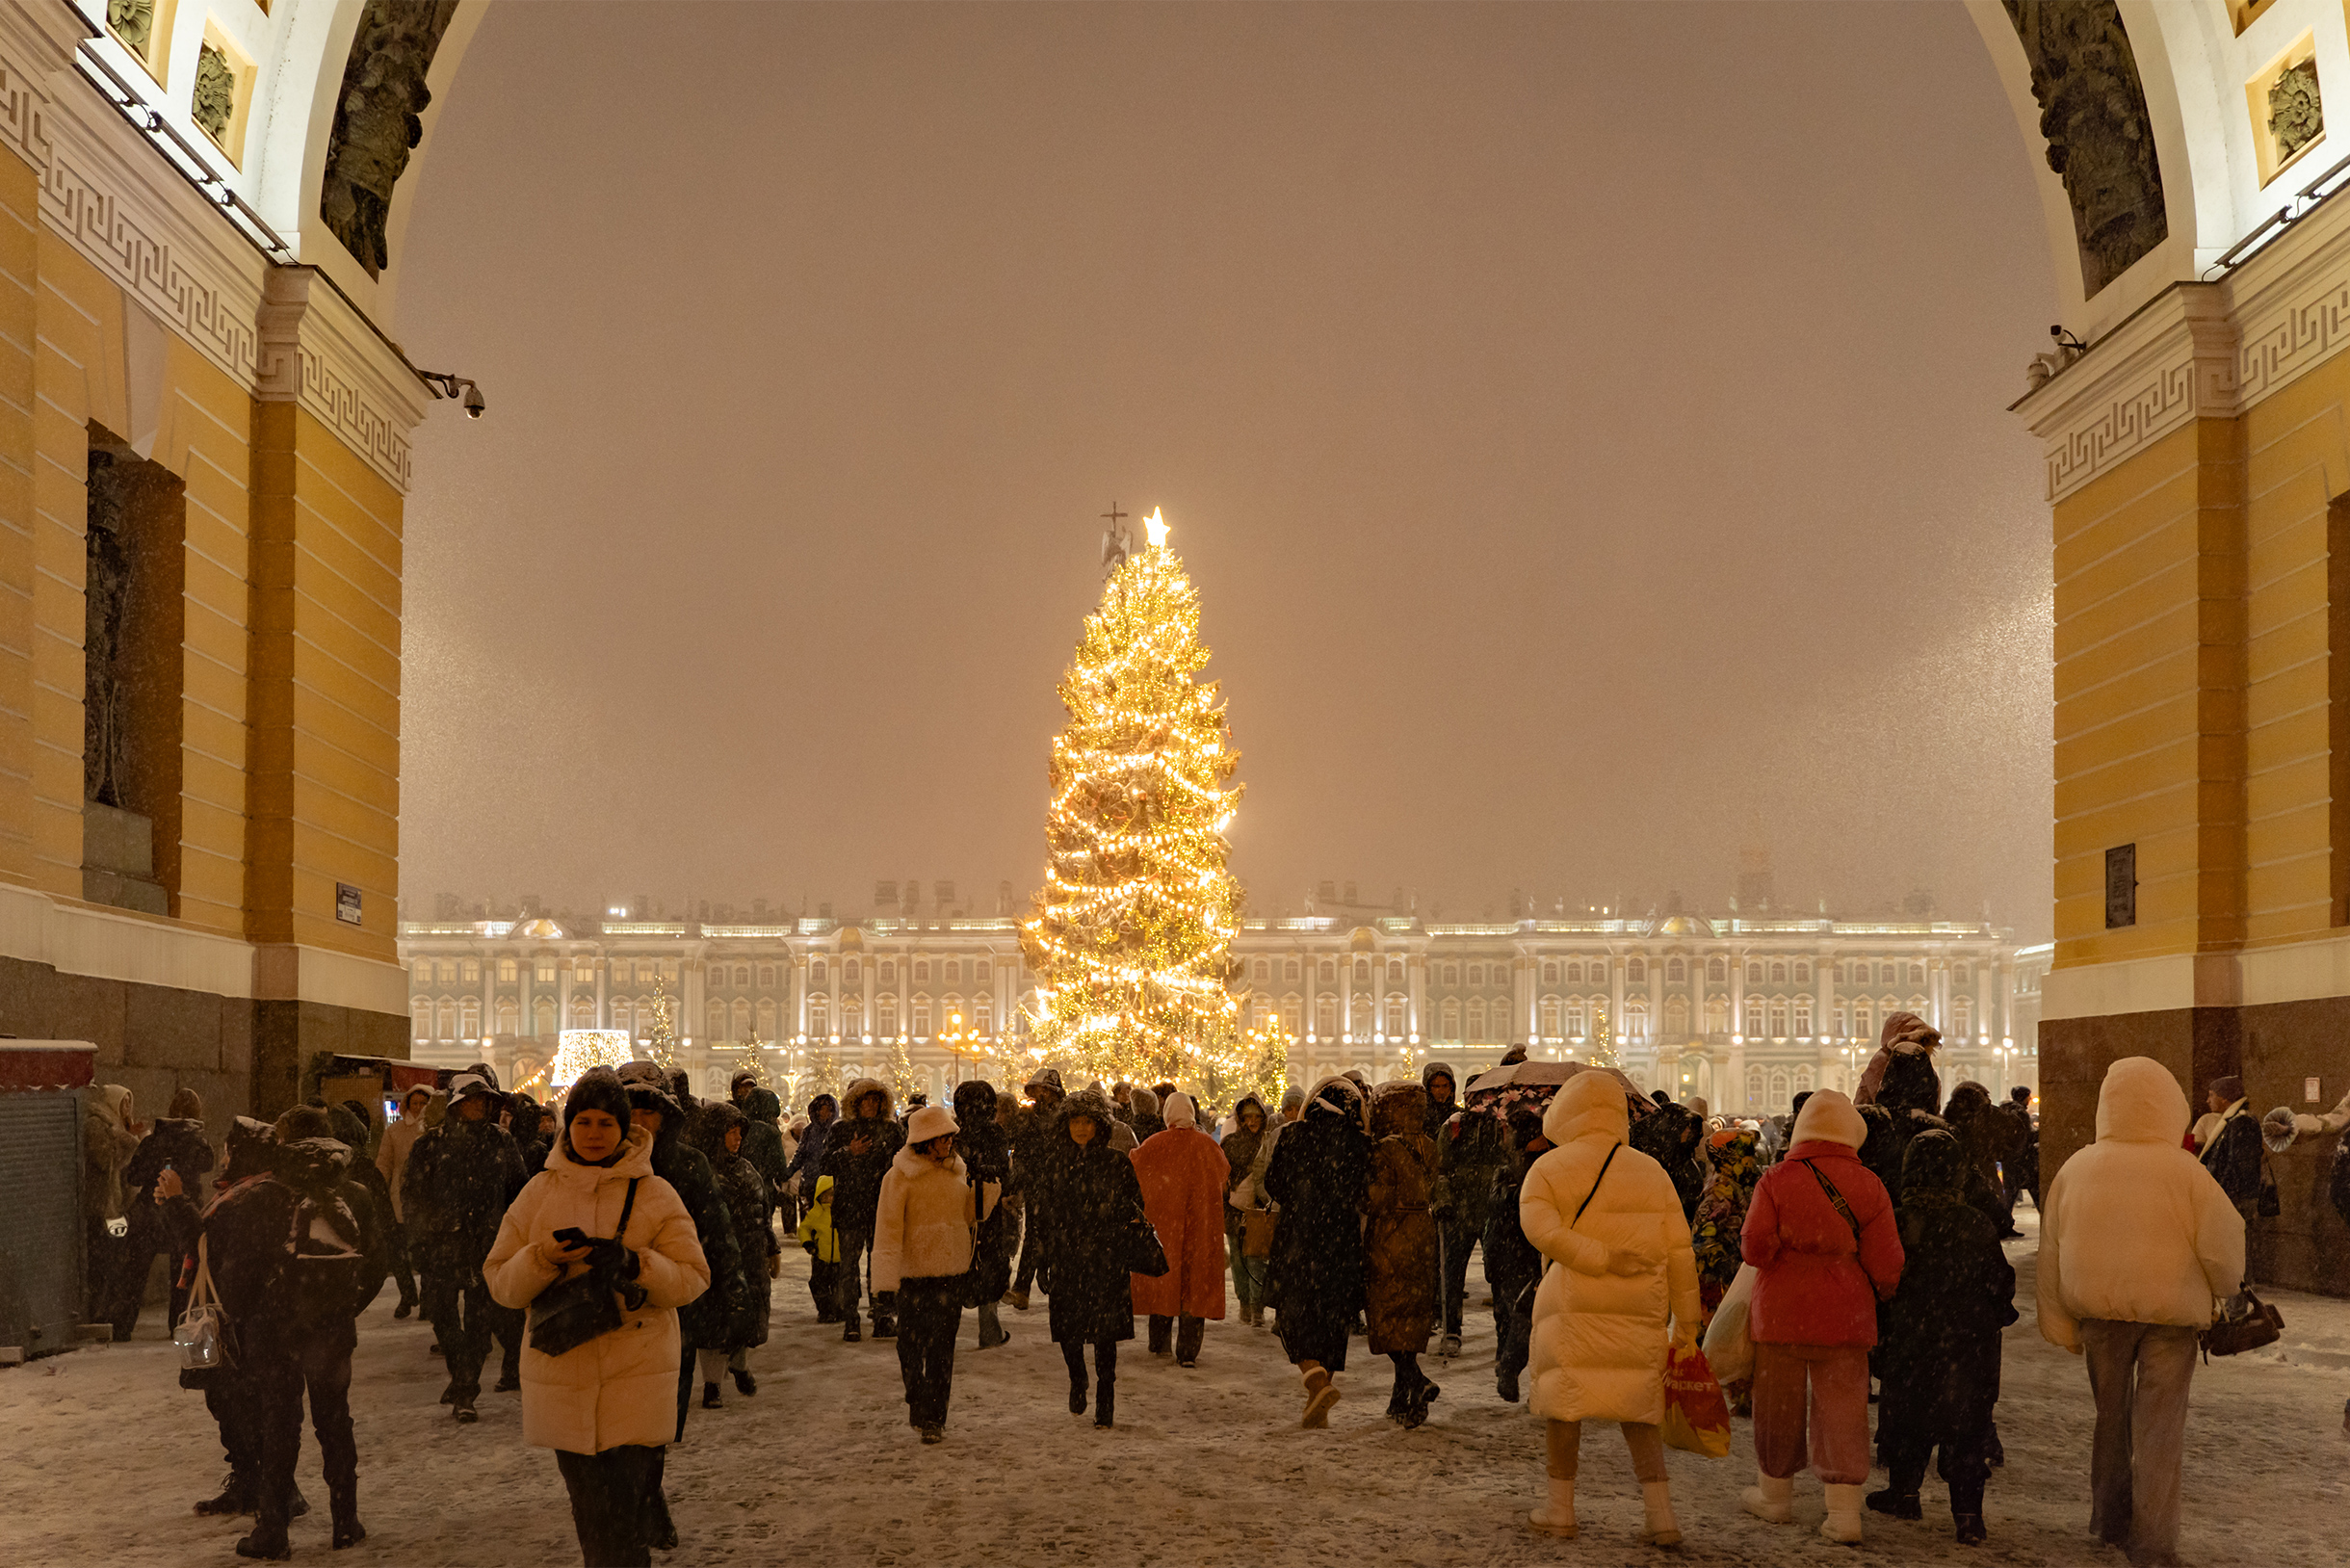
[(1623, 1270), (608, 1406), (924, 1226)]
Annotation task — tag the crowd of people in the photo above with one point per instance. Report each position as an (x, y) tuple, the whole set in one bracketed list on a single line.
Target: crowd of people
[(620, 1247)]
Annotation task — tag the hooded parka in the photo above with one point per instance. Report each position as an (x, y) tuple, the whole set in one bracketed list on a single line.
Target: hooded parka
[(751, 1209), (1092, 1198), (856, 1177), (1599, 1336), (622, 1387), (1320, 1176), (1399, 1245), (2134, 1229), (1816, 1282)]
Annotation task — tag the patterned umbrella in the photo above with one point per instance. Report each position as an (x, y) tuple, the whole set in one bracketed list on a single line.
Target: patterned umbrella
[(1534, 1083)]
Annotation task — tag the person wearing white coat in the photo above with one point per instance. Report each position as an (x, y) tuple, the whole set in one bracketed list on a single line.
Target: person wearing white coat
[(2137, 1245), (1623, 1284), (923, 1236), (606, 1408)]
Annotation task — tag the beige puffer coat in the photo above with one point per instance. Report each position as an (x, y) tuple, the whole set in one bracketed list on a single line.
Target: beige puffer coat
[(922, 1224), (620, 1388), (2133, 1227), (1600, 1337)]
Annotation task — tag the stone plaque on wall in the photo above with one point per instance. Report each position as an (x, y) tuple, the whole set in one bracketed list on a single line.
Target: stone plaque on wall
[(2121, 886)]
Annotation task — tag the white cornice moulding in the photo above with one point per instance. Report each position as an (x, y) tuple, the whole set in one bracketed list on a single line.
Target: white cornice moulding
[(2157, 985), (2199, 350), (316, 350), (119, 202)]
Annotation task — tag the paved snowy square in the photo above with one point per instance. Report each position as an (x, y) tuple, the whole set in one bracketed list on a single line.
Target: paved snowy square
[(1208, 1466)]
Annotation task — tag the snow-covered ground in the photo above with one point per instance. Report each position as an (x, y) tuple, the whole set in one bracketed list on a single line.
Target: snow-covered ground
[(107, 1454)]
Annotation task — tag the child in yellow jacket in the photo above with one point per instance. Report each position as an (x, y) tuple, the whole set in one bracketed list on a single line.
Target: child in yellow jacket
[(823, 1245)]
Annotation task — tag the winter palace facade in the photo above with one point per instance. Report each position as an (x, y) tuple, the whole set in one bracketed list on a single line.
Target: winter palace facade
[(1743, 1012)]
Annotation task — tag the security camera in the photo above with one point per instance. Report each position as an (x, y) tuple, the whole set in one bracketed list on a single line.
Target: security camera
[(475, 402)]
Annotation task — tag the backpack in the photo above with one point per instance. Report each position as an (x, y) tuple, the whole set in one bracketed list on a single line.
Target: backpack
[(325, 1267)]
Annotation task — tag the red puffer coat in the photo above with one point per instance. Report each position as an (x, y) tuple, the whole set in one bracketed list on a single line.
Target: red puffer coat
[(1813, 1285)]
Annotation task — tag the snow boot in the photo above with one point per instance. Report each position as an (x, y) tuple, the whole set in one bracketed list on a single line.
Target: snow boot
[(345, 1507), (1898, 1503), (1771, 1498), (934, 1434), (1019, 1300), (848, 1332), (1660, 1527), (298, 1506), (885, 1328), (1104, 1398), (462, 1409), (659, 1530), (1844, 1520), (1320, 1394), (1416, 1408), (269, 1545), (1557, 1517), (1505, 1387), (745, 1383), (710, 1397), (236, 1498), (1449, 1346), (1969, 1531), (1077, 1395), (449, 1394)]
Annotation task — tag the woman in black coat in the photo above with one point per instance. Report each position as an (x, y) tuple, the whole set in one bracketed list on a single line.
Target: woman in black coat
[(720, 1132), (1095, 1203), (1320, 1176), (1939, 1350), (987, 1155)]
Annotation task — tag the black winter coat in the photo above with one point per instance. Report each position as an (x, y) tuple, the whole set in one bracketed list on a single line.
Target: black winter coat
[(750, 1204), (808, 1163), (856, 1178), (1472, 1153), (1513, 1265), (2233, 1159), (460, 1177), (1938, 1349), (247, 1244), (1891, 1133), (172, 1142), (702, 1320), (763, 1138), (1320, 1177), (1093, 1199), (987, 1156)]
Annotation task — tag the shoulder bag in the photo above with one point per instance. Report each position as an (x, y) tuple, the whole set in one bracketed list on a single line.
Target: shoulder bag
[(570, 1312)]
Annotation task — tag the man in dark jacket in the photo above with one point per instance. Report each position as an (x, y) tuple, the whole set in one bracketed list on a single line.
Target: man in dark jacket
[(1513, 1265), (460, 1179), (2023, 1173), (1031, 1139), (808, 1162), (1989, 1139), (175, 1140), (296, 1258), (1939, 1356), (1458, 1223), (762, 1132), (857, 1154), (702, 1320)]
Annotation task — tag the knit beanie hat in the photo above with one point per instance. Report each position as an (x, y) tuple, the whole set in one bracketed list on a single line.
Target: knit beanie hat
[(597, 1090)]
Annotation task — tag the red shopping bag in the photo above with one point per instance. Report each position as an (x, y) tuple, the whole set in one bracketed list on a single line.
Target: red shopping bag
[(1696, 1416)]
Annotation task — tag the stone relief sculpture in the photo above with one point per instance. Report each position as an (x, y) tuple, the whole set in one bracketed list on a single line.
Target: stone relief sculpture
[(216, 94), (377, 120), (2295, 115), (106, 595), (133, 22), (2093, 114)]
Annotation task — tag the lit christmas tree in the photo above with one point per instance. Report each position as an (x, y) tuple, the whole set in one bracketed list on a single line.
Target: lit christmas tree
[(1602, 1052), (660, 1046), (1131, 934)]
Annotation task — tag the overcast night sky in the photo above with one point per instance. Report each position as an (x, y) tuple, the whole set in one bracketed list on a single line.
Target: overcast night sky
[(1585, 424)]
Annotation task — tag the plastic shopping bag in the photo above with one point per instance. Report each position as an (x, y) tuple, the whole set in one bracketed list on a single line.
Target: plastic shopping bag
[(1729, 1348), (1696, 1416)]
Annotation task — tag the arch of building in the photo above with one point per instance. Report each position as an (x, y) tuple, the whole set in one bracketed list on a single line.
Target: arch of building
[(2197, 439)]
